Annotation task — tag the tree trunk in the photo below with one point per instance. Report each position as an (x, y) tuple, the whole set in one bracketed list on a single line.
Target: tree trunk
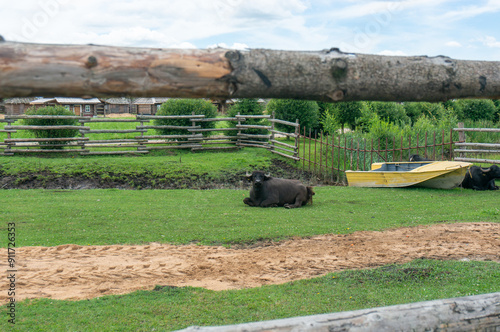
[(474, 313), (329, 75)]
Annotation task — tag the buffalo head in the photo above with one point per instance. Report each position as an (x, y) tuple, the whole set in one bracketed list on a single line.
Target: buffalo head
[(257, 178)]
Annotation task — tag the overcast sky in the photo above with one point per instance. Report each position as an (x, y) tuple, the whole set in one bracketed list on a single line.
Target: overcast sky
[(459, 29)]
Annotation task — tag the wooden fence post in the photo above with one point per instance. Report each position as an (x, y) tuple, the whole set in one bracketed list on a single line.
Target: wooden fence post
[(461, 137), (297, 143)]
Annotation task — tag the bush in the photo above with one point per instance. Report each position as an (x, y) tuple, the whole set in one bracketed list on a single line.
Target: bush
[(475, 109), (249, 106), (290, 109), (414, 110), (346, 113), (51, 133), (185, 107), (390, 112)]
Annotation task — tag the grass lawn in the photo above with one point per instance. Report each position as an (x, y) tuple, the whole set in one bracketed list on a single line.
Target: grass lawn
[(54, 217), (219, 217), (169, 308)]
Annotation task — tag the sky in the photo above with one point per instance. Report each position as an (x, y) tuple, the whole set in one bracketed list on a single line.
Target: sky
[(468, 30)]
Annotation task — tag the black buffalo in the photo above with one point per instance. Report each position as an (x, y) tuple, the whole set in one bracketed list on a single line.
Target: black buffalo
[(479, 178), (267, 191), (416, 157)]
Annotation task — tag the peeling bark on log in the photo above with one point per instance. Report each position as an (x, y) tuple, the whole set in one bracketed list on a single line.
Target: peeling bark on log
[(329, 75), (474, 313)]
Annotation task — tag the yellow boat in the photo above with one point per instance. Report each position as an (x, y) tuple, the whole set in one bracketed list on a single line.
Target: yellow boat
[(428, 174)]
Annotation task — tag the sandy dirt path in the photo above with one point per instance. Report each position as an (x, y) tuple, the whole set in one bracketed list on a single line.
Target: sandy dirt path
[(81, 272)]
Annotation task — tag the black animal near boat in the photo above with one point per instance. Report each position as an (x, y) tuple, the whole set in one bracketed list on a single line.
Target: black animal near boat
[(267, 191), (479, 178)]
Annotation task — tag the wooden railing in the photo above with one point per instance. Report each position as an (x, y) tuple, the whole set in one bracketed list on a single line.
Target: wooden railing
[(145, 139), (465, 149)]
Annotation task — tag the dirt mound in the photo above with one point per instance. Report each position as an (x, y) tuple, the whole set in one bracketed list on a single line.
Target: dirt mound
[(145, 180), (82, 272)]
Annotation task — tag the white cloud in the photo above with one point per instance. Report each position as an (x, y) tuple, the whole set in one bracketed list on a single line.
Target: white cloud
[(235, 46), (464, 12), (453, 43), (490, 41)]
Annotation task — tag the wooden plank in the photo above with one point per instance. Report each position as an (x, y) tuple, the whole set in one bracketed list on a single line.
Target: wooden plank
[(475, 151), (92, 120), (48, 127), (185, 146), (44, 150), (113, 131), (87, 153), (215, 148), (126, 140), (285, 155), (288, 123), (253, 116), (70, 139), (282, 149), (473, 160), (217, 119), (483, 145), (284, 134), (253, 127), (472, 313), (283, 144), (265, 143), (211, 129), (170, 136), (492, 130), (167, 127), (154, 117), (242, 135), (220, 138), (253, 145), (52, 117)]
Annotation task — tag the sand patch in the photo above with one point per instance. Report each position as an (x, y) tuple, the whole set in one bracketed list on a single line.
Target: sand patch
[(82, 272)]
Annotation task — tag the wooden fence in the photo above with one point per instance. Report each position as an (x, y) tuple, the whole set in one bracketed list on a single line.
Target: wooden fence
[(465, 149), (329, 156), (143, 138)]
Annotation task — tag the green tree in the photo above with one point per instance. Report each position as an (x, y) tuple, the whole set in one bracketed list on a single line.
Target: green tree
[(497, 105), (346, 113), (415, 110), (291, 109), (249, 106), (391, 112), (51, 133), (475, 109), (185, 107)]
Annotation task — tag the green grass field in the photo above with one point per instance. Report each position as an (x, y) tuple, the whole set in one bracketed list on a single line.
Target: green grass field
[(219, 217), (216, 217), (168, 308)]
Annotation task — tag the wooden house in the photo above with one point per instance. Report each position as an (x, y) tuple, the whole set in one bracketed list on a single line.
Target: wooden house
[(17, 106), (79, 106), (118, 106), (148, 106)]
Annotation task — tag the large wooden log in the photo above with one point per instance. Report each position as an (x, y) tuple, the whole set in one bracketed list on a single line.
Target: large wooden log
[(329, 75), (474, 313)]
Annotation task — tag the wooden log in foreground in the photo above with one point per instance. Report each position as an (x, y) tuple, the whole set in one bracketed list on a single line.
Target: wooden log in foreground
[(329, 75), (474, 313)]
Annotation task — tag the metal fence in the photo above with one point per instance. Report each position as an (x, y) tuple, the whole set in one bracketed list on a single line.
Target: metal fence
[(329, 156)]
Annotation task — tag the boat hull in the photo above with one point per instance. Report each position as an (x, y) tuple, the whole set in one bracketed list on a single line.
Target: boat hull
[(438, 174)]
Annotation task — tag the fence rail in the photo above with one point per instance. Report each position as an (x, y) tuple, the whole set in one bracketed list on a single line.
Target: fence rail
[(478, 149), (147, 138)]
